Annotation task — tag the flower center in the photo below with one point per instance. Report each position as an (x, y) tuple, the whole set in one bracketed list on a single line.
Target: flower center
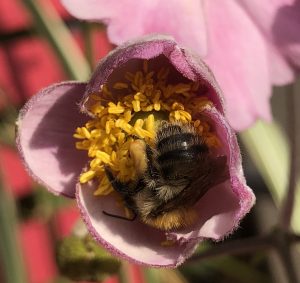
[(130, 110)]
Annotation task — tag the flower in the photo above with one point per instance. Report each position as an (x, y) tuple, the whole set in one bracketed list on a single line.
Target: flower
[(250, 45), (52, 122)]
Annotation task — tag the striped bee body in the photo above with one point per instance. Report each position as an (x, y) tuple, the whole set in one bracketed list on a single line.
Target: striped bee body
[(173, 175)]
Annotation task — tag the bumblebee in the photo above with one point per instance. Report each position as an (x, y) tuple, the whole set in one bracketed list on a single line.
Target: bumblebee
[(172, 175)]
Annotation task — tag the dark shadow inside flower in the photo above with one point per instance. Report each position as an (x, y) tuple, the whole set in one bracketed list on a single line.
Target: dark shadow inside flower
[(52, 146), (155, 65)]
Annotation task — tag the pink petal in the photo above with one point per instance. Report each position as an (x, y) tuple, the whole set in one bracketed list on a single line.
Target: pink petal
[(122, 59), (45, 137), (279, 20), (182, 19), (238, 58), (93, 10), (281, 71), (130, 240), (262, 15)]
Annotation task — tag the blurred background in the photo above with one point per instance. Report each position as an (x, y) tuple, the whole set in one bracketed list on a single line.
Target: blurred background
[(33, 221)]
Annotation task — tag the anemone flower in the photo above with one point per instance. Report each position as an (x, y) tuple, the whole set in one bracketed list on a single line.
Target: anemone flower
[(82, 139), (250, 45)]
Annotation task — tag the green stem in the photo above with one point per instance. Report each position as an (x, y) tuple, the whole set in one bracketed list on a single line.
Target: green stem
[(87, 30), (9, 243), (289, 200), (54, 29), (282, 244)]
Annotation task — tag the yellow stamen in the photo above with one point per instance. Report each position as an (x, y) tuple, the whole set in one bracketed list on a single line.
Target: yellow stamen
[(150, 124), (115, 109), (87, 176), (103, 156), (136, 105)]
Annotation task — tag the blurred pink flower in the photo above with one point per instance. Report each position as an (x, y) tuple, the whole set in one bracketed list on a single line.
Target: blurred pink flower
[(13, 172), (249, 44), (45, 141)]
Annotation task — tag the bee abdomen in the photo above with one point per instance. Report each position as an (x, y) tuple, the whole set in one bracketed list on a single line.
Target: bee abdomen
[(178, 150), (182, 154), (177, 141), (180, 161)]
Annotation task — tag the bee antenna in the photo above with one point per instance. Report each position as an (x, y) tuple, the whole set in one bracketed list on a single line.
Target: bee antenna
[(120, 217)]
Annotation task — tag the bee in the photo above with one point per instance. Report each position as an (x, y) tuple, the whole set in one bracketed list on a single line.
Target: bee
[(172, 175)]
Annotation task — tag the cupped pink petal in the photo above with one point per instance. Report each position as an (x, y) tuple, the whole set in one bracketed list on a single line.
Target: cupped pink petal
[(130, 240), (182, 19), (122, 59), (45, 140), (222, 207), (239, 59), (279, 21), (220, 212)]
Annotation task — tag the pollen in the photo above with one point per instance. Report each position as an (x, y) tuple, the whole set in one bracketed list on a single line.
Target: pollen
[(129, 110)]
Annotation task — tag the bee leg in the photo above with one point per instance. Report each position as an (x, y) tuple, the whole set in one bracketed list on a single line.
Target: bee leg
[(118, 186), (120, 217)]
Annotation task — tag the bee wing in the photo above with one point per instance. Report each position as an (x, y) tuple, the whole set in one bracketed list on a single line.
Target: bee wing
[(211, 172)]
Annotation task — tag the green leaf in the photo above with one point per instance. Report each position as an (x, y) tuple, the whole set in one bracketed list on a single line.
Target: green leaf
[(9, 243), (8, 117)]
